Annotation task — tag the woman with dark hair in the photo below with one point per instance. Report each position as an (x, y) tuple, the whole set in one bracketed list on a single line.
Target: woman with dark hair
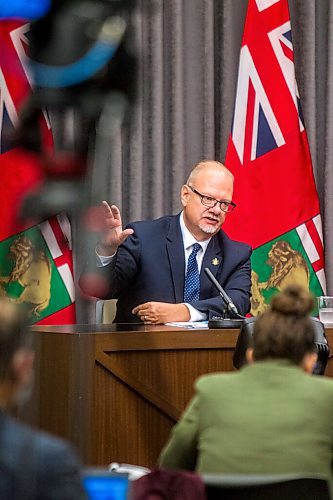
[(272, 416)]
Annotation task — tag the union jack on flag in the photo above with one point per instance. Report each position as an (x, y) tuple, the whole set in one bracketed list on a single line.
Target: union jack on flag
[(35, 262), (277, 203)]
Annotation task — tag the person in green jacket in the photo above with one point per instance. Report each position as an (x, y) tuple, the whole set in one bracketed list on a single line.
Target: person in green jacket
[(272, 416)]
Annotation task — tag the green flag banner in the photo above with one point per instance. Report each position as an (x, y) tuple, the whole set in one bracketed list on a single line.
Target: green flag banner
[(280, 262), (34, 271)]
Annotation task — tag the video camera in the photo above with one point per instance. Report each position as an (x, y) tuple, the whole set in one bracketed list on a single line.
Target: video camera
[(81, 58)]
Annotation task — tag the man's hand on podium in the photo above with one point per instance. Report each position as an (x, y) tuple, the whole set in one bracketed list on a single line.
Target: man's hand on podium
[(157, 313)]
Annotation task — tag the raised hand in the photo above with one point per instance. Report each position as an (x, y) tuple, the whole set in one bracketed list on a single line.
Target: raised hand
[(112, 233)]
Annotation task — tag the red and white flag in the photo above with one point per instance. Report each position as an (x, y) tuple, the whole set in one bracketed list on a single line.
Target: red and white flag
[(277, 203), (35, 262)]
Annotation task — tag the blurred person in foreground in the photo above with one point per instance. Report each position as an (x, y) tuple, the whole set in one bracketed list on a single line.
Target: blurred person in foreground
[(272, 416), (155, 268), (33, 465)]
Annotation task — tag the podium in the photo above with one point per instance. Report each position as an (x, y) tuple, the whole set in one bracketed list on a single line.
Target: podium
[(115, 391)]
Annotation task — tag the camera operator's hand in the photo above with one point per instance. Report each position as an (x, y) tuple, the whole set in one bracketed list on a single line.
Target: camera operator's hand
[(112, 234)]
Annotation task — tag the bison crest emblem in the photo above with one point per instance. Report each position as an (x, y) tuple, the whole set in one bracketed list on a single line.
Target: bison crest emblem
[(288, 266), (32, 271)]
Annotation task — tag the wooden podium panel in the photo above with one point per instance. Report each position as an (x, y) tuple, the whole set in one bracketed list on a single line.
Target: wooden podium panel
[(115, 391)]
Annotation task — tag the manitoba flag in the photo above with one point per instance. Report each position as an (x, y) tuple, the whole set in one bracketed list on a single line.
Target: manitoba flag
[(35, 262), (277, 203)]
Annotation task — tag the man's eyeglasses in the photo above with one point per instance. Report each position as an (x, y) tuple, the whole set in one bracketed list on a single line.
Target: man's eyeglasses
[(208, 201)]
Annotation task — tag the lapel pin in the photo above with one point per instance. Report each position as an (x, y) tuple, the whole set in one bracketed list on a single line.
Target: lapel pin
[(215, 262)]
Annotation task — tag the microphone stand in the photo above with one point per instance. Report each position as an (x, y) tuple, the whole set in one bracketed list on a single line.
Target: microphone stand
[(217, 322)]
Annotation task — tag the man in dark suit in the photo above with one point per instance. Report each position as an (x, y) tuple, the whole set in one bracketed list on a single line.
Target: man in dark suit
[(33, 465), (145, 266)]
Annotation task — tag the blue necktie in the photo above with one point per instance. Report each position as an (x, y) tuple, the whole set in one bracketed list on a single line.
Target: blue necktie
[(192, 278)]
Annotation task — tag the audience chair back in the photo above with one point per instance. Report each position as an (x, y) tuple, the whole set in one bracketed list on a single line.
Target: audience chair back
[(245, 340), (275, 487), (105, 311)]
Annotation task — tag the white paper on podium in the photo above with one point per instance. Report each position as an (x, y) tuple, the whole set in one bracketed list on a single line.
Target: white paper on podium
[(189, 324)]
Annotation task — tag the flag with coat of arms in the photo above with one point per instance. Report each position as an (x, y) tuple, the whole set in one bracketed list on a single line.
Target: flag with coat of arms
[(35, 262), (278, 211)]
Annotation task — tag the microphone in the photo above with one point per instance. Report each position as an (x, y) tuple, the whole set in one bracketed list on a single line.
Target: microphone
[(217, 322)]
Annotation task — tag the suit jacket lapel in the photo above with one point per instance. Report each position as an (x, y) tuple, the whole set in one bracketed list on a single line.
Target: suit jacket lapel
[(213, 260), (175, 249)]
